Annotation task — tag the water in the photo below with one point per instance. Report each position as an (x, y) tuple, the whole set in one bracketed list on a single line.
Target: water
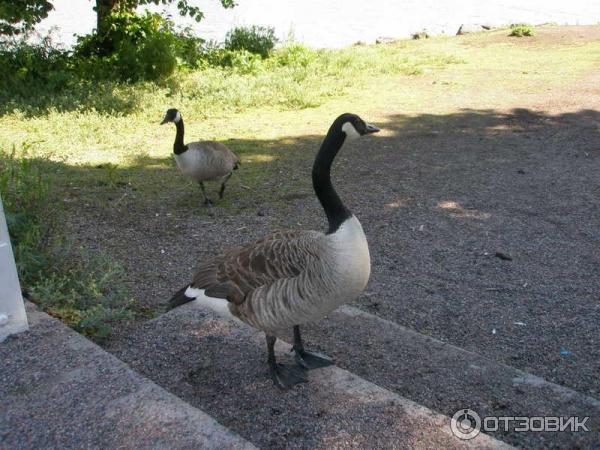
[(336, 23)]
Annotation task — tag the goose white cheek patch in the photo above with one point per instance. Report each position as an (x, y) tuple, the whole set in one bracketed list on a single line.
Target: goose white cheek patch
[(177, 117), (350, 131)]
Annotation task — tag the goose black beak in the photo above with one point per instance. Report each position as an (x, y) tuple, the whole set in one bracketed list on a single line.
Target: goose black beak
[(164, 121), (371, 129)]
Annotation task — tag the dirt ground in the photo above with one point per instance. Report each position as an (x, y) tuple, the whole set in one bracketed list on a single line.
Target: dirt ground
[(483, 222)]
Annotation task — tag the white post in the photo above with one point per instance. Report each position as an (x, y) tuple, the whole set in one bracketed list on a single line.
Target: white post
[(12, 309)]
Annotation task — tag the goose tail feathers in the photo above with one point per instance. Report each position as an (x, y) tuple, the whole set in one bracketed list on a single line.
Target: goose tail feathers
[(181, 297)]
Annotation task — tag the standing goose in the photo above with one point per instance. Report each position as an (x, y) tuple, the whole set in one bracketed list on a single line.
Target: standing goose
[(202, 161), (293, 277)]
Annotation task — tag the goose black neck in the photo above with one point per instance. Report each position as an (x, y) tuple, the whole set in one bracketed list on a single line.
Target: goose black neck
[(335, 210), (179, 147)]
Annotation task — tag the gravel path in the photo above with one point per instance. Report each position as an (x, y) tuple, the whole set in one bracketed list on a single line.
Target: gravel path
[(443, 209), (484, 229)]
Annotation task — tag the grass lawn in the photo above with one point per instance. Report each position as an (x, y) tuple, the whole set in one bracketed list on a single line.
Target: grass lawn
[(110, 135), (104, 153)]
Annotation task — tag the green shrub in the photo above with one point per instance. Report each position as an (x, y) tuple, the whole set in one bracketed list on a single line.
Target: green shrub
[(87, 295), (520, 30), (239, 61), (132, 47), (295, 55), (254, 39), (24, 65)]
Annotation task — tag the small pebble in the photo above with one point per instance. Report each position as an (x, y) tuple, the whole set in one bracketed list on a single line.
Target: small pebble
[(503, 256)]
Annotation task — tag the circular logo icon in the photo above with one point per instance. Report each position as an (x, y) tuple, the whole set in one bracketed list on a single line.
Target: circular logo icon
[(465, 424)]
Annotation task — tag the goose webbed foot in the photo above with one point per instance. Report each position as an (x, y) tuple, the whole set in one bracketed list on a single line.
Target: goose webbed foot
[(284, 377), (222, 190), (207, 201), (304, 358), (311, 360)]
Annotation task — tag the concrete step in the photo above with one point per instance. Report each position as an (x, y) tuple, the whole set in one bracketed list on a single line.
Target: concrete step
[(218, 365), (446, 378), (59, 390)]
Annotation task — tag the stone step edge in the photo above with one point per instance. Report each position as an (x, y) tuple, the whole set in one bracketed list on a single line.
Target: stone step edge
[(181, 410), (523, 378), (343, 380)]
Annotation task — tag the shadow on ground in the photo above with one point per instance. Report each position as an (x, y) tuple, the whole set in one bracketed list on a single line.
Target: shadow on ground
[(483, 227)]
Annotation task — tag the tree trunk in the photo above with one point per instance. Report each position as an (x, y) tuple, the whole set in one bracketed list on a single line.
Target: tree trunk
[(104, 8)]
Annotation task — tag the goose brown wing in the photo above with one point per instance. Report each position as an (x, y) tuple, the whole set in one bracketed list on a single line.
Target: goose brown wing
[(237, 271), (220, 150)]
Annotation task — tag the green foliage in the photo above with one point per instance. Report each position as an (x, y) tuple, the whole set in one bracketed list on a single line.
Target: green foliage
[(521, 30), (239, 61), (104, 7), (87, 293), (25, 66), (220, 80), (88, 296), (254, 39), (293, 76), (24, 193), (131, 48), (295, 55), (19, 16)]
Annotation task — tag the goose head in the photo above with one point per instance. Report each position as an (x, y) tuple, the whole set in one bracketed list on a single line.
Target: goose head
[(353, 126), (172, 115)]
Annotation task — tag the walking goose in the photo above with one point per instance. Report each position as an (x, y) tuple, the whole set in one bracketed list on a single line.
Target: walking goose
[(293, 277), (202, 161)]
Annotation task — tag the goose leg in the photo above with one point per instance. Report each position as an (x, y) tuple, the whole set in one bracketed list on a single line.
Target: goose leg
[(223, 184), (284, 377), (304, 358), (207, 201)]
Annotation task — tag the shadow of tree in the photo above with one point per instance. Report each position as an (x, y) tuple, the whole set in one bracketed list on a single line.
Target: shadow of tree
[(438, 197)]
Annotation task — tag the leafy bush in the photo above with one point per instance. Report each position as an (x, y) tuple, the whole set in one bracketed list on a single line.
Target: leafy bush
[(255, 39), (135, 48), (132, 47), (86, 293), (23, 65), (520, 30), (88, 296), (239, 61), (295, 55)]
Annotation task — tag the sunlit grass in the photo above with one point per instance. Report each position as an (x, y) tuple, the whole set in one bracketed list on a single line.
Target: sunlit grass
[(101, 146), (297, 92)]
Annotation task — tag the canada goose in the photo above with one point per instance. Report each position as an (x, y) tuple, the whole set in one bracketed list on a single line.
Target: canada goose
[(293, 277), (201, 161)]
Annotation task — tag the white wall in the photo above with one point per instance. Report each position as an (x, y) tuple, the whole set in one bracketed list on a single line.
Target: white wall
[(335, 23), (12, 309)]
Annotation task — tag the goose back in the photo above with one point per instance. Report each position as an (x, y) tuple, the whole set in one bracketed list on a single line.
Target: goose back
[(206, 160)]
